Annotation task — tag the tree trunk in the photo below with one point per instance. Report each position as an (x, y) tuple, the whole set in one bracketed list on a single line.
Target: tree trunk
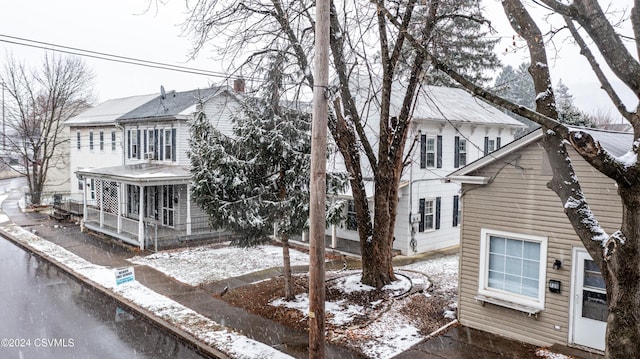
[(286, 269), (621, 269)]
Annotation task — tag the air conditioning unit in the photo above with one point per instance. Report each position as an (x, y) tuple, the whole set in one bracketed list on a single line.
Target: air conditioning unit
[(149, 156)]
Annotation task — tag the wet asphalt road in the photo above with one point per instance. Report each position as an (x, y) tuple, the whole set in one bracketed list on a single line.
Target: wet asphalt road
[(46, 314)]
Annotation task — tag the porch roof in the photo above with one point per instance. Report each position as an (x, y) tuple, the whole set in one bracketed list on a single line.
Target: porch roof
[(140, 174)]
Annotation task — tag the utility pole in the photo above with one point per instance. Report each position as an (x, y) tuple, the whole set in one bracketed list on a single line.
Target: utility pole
[(4, 138), (317, 187)]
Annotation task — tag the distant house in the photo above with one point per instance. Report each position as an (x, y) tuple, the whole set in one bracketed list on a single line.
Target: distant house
[(451, 129), (524, 274), (95, 140), (142, 196)]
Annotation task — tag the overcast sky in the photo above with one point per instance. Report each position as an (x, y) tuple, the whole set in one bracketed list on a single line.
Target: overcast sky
[(125, 28)]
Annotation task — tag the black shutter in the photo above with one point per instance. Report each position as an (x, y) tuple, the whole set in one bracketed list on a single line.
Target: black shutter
[(139, 149), (498, 145), (456, 203), (486, 145), (128, 143), (439, 152), (173, 144), (421, 210), (161, 144), (155, 144), (438, 204), (456, 152), (423, 151), (144, 148)]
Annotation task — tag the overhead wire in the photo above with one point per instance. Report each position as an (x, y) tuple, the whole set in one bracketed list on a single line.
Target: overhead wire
[(107, 57)]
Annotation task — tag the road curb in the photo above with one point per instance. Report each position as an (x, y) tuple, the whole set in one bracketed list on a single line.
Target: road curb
[(171, 329)]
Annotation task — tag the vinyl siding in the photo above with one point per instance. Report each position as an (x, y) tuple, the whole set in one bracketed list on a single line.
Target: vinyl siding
[(519, 201)]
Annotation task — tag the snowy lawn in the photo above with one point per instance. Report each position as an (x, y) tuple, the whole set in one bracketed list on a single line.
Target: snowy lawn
[(205, 264)]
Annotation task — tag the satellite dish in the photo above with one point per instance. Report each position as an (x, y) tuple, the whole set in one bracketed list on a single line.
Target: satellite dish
[(163, 94)]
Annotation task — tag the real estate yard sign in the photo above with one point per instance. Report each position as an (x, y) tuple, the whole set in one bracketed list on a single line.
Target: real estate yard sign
[(124, 275)]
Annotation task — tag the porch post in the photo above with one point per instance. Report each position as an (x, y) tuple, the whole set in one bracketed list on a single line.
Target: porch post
[(101, 203), (141, 218), (85, 212), (188, 209), (120, 207)]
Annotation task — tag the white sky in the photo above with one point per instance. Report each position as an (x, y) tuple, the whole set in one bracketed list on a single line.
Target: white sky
[(122, 27)]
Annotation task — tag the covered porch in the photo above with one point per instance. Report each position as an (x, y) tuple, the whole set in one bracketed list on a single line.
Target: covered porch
[(145, 204)]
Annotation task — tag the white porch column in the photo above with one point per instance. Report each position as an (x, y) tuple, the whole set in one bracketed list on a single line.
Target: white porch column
[(101, 203), (188, 209), (84, 199), (334, 238), (120, 206), (141, 218)]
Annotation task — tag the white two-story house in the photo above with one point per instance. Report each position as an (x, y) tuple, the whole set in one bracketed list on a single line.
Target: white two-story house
[(145, 198), (449, 128)]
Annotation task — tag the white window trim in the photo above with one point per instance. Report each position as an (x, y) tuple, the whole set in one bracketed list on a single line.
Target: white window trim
[(509, 297)]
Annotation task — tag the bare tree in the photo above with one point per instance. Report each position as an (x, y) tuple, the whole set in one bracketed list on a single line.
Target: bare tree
[(617, 254), (368, 57), (38, 103)]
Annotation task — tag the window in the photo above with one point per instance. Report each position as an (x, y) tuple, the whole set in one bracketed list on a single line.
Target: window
[(91, 140), (151, 143), (425, 208), (489, 145), (78, 143), (460, 152), (92, 189), (134, 141), (430, 151), (352, 222), (512, 267), (113, 140), (133, 199), (101, 141), (168, 140)]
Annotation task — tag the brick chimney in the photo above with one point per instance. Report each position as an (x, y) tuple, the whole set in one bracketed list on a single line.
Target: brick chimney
[(238, 85)]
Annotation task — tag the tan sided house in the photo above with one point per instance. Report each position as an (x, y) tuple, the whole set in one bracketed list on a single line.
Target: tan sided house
[(524, 274)]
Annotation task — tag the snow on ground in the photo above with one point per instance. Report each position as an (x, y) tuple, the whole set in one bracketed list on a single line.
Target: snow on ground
[(206, 330), (200, 265)]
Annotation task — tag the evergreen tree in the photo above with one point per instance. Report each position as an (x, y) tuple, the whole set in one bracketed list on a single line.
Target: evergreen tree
[(458, 35), (568, 113), (256, 181), (516, 85)]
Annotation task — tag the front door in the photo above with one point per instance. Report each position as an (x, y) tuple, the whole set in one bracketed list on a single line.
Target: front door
[(589, 302), (168, 198)]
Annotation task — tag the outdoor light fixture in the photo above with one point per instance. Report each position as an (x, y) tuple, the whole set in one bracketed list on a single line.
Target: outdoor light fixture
[(557, 264)]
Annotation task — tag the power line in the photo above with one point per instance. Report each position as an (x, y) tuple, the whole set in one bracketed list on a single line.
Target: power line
[(107, 57)]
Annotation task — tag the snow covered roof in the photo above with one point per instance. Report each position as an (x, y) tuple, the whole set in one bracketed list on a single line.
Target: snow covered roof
[(436, 103), (107, 112), (433, 103), (140, 173), (617, 143), (172, 105)]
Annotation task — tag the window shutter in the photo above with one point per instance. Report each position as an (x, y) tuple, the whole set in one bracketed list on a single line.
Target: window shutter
[(498, 143), (128, 143), (486, 145), (161, 143), (456, 203), (456, 152), (139, 149), (155, 144), (438, 205), (423, 151), (144, 148), (439, 152), (421, 210), (173, 144)]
